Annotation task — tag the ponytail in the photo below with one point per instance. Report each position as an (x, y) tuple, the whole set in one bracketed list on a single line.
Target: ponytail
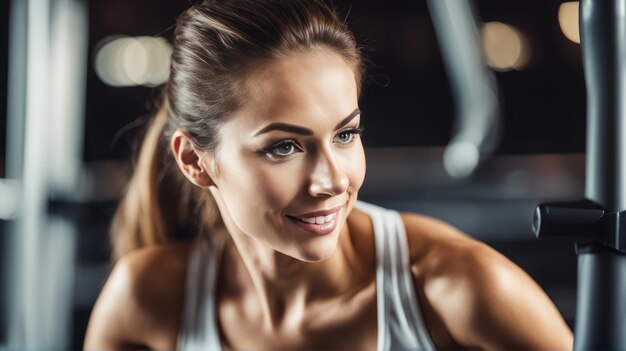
[(160, 205)]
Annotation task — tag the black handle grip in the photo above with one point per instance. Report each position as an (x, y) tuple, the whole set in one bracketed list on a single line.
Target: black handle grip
[(575, 220)]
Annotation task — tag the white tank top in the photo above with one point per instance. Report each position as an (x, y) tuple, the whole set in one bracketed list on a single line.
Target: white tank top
[(400, 324)]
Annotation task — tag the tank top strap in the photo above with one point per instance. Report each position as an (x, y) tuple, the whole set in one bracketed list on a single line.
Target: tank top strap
[(199, 329), (400, 324)]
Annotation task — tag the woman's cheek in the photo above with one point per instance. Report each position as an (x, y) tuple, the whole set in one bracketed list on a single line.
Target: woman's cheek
[(355, 167), (277, 185)]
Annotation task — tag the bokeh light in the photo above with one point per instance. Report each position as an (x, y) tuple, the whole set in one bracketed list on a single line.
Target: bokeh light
[(133, 61), (568, 20), (504, 46)]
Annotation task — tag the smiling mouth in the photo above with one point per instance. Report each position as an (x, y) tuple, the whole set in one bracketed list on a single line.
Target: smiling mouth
[(318, 225), (317, 219)]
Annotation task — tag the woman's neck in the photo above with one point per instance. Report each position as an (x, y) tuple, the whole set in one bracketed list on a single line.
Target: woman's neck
[(284, 287)]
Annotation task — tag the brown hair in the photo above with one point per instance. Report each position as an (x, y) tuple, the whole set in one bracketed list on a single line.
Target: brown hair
[(216, 44)]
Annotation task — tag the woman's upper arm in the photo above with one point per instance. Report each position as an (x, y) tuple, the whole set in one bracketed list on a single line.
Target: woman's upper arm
[(509, 311), (484, 300), (112, 318)]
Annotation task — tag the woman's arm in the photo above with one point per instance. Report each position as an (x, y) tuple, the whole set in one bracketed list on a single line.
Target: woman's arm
[(112, 321), (140, 305), (505, 308), (482, 299)]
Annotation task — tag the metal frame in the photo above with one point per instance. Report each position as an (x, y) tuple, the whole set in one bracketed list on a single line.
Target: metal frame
[(598, 223), (48, 57), (473, 84), (601, 306)]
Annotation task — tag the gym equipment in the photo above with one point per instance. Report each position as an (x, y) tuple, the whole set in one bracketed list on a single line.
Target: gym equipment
[(473, 84), (598, 223)]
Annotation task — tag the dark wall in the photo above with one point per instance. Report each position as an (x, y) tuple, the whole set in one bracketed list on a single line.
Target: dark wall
[(543, 105), (406, 98)]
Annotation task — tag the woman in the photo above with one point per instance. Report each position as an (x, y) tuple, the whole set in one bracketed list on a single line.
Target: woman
[(261, 117)]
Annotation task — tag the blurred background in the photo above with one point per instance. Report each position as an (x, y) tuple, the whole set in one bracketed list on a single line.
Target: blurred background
[(474, 114)]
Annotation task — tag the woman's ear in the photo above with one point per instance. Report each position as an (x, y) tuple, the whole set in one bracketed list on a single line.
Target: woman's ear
[(189, 160)]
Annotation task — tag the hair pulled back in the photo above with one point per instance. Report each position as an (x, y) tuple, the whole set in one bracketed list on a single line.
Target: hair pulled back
[(216, 44)]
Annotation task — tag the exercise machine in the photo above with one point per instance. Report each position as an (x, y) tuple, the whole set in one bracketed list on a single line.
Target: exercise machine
[(598, 223)]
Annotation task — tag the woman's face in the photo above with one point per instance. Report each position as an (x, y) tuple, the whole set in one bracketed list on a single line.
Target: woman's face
[(292, 155)]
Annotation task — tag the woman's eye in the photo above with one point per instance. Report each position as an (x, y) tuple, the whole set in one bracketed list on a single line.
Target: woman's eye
[(281, 150), (345, 137), (284, 149)]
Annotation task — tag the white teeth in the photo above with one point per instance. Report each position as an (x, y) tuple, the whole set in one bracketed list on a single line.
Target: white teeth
[(319, 219)]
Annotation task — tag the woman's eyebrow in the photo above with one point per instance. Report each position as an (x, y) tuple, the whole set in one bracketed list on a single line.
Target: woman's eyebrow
[(286, 127), (348, 119), (304, 131)]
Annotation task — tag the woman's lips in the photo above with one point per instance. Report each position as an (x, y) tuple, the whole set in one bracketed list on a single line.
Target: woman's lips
[(318, 229), (320, 213)]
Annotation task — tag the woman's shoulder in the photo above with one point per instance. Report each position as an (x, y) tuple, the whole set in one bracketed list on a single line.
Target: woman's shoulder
[(141, 302), (439, 251), (153, 273), (483, 299), (430, 238), (147, 264), (457, 262)]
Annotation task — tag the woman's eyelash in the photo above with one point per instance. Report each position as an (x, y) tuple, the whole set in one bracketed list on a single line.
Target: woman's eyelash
[(358, 130)]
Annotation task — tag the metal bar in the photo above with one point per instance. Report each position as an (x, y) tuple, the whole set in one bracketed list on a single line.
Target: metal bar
[(16, 92), (603, 41), (25, 322), (47, 161), (601, 307), (473, 85), (69, 41), (16, 104)]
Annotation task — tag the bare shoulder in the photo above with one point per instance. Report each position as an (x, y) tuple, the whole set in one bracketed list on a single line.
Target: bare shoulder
[(140, 304), (482, 299), (431, 237)]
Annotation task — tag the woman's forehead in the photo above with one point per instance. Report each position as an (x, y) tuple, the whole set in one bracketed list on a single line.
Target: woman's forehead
[(308, 85)]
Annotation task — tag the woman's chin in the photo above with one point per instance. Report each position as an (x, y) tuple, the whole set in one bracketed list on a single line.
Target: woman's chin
[(318, 252)]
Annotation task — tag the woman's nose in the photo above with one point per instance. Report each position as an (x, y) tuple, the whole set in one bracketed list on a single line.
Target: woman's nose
[(328, 179)]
